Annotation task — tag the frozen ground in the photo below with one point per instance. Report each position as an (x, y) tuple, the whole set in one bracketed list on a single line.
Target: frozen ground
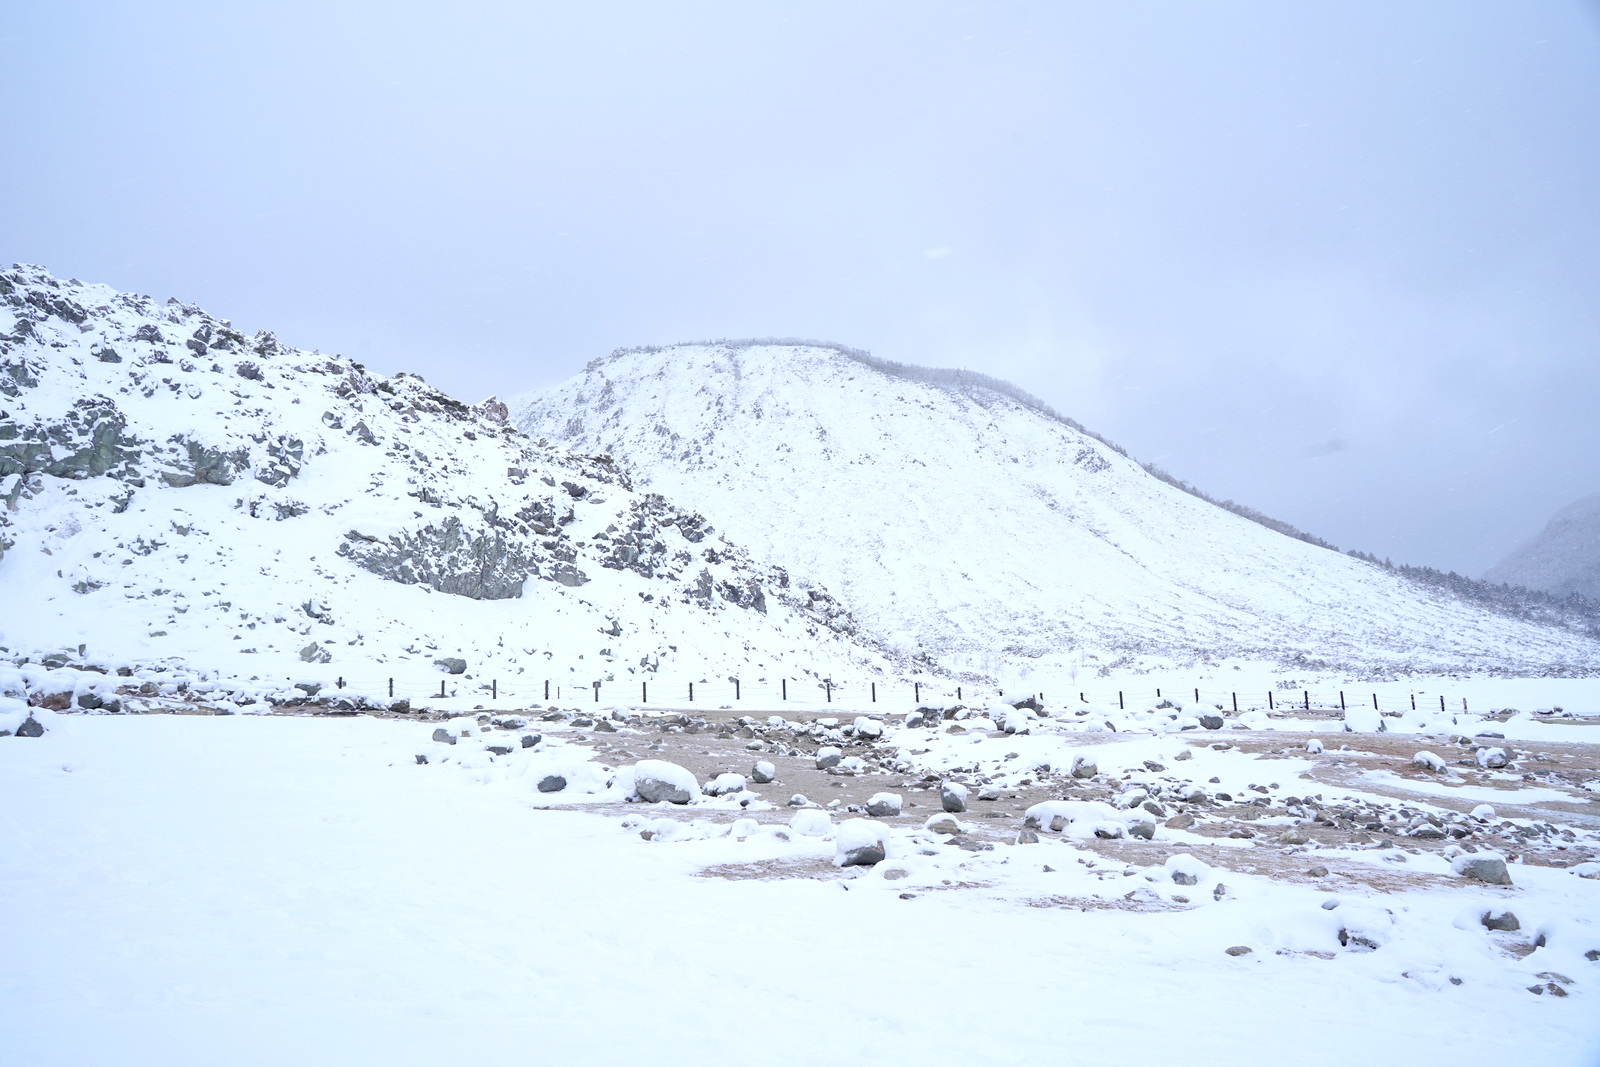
[(271, 889)]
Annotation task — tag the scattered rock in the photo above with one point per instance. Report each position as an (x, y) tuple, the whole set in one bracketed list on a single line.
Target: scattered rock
[(1294, 836), (953, 797), (1500, 919), (1213, 722), (499, 750), (529, 740), (603, 726), (943, 824), (1239, 950), (1058, 823), (1185, 878), (1317, 872), (1314, 747), (1026, 836), (1141, 828), (811, 822), (859, 843), (1429, 762), (555, 783), (444, 736), (1491, 869), (884, 805), (451, 665), (989, 792), (656, 781), (1180, 822), (724, 784), (1084, 766), (1492, 759), (1153, 767), (828, 756), (421, 758), (30, 727), (1185, 754), (799, 801), (763, 772)]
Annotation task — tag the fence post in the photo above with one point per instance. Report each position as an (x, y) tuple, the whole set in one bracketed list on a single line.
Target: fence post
[(597, 692), (391, 688), (1374, 701), (547, 690), (1120, 706), (1413, 702), (1235, 703), (1441, 703), (441, 688), (1197, 696), (494, 689), (916, 689), (958, 692), (1269, 700), (644, 692), (1080, 698), (829, 686), (736, 689), (1463, 703), (691, 692), (874, 692), (785, 683), (1341, 700), (1308, 700), (1158, 694)]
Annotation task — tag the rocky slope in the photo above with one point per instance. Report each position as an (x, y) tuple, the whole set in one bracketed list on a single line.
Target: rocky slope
[(1563, 559), (175, 491), (964, 521)]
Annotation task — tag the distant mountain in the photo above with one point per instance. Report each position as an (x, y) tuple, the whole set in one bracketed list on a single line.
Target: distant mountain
[(1563, 559), (172, 490), (961, 519)]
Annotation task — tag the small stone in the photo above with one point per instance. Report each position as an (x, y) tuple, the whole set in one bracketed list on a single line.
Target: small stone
[(1219, 892), (1153, 767), (1142, 828), (943, 824), (603, 726), (30, 727), (1185, 878), (799, 801), (1185, 754), (989, 792), (1027, 837), (451, 665), (1496, 919), (953, 797), (421, 758), (1294, 836), (552, 783), (894, 874), (1180, 822), (500, 750), (1239, 950), (1317, 872), (1058, 823), (1491, 759), (1213, 722), (828, 756), (529, 740), (444, 736)]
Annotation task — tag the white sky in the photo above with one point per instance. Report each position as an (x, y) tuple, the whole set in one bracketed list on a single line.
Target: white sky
[(1336, 261)]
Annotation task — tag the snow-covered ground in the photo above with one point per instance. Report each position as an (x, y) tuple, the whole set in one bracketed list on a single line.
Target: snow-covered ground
[(268, 889)]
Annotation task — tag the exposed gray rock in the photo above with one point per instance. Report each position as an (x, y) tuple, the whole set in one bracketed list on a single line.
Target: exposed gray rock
[(444, 736), (828, 756), (555, 783), (862, 856), (884, 805), (1212, 721), (1239, 950), (1142, 828), (30, 727), (451, 664), (763, 772), (1491, 869), (671, 785), (953, 797), (1084, 766), (1184, 878), (529, 740), (1499, 919)]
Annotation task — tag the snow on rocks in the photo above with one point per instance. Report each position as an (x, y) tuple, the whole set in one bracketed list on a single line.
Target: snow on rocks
[(763, 773), (953, 797), (1364, 720), (884, 805), (1314, 747), (859, 843), (1492, 758), (657, 781), (811, 822), (828, 756), (1481, 868), (1084, 765), (1428, 761)]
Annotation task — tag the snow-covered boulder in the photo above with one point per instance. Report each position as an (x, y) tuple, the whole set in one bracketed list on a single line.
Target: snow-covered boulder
[(868, 729), (1481, 867), (763, 772), (859, 843), (1314, 747), (655, 781), (1364, 720), (1428, 761), (828, 756), (1492, 759), (953, 797), (884, 805), (1084, 766), (811, 822), (724, 784)]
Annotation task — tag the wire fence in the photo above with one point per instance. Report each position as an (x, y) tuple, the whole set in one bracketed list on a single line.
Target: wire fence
[(881, 694)]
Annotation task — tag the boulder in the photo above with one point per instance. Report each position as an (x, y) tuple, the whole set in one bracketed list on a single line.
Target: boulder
[(799, 801), (1492, 759), (1481, 868), (529, 740), (763, 772), (1500, 919), (30, 727), (1428, 761), (942, 824), (724, 784), (884, 805), (657, 781), (552, 783), (1141, 828), (451, 664), (828, 756), (1084, 766), (953, 797), (859, 843), (444, 736), (1211, 721)]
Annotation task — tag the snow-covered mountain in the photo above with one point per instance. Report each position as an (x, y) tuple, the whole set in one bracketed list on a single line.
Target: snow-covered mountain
[(1563, 559), (175, 491), (961, 519)]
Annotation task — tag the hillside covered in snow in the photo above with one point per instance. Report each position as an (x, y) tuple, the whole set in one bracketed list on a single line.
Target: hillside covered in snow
[(1564, 558), (172, 491), (963, 520)]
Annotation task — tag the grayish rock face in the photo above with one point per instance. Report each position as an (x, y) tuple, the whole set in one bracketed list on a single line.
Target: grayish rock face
[(1489, 869), (1563, 559), (953, 798), (451, 664), (655, 790), (552, 783), (763, 772), (884, 807), (1501, 920), (30, 727), (1180, 878), (865, 856), (1211, 722), (444, 736), (529, 740), (1084, 767)]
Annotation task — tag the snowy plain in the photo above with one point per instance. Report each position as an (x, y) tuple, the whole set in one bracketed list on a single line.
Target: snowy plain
[(268, 889)]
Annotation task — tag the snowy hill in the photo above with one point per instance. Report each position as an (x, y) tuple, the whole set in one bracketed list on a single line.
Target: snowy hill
[(176, 492), (966, 521), (1564, 558)]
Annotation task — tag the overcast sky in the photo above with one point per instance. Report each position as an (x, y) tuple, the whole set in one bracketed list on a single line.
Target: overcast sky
[(1338, 261)]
